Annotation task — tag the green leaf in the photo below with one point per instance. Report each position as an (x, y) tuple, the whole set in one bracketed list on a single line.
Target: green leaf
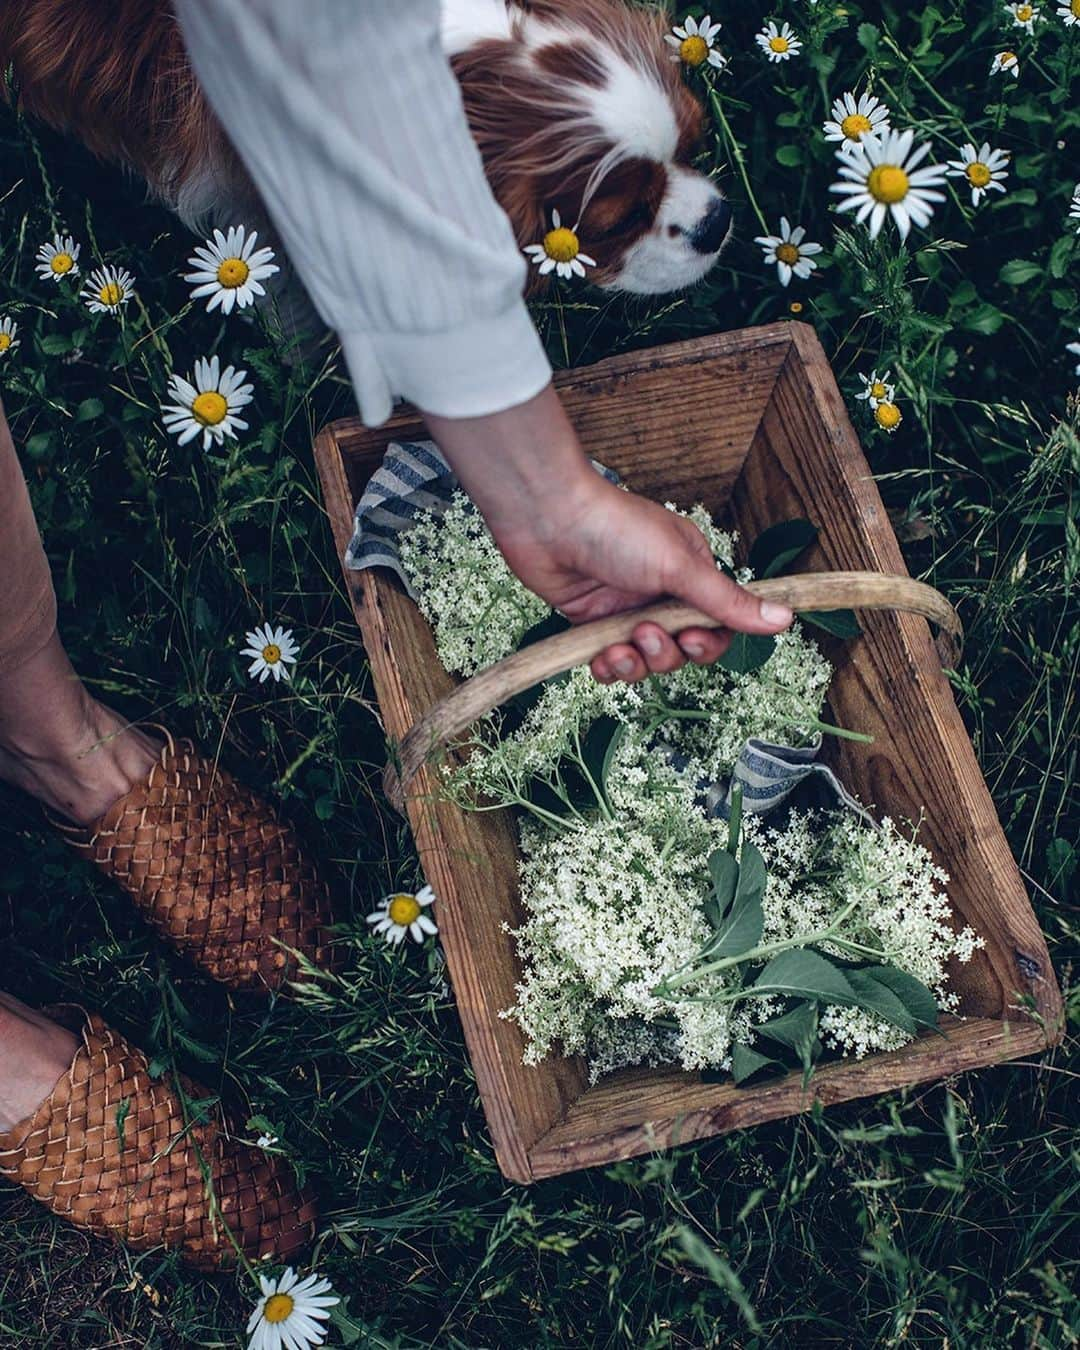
[(985, 318), (912, 993), (549, 627), (55, 344), (875, 997), (790, 156), (798, 1031), (748, 652), (752, 874), (777, 547), (88, 409), (801, 973), (869, 37), (1061, 255), (724, 872), (598, 749), (840, 622), (1019, 270), (746, 1063)]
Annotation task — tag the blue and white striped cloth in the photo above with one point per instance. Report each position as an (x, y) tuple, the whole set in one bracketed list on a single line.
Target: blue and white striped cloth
[(414, 477)]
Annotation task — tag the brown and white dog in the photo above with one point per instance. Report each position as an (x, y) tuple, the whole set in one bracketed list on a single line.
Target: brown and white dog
[(575, 105)]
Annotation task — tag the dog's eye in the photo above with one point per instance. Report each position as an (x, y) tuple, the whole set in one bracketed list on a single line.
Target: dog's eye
[(637, 216)]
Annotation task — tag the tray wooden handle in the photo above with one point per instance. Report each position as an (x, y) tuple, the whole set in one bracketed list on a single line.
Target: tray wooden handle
[(477, 697)]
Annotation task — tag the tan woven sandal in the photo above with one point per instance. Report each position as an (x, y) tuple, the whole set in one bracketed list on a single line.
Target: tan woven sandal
[(111, 1151), (214, 871)]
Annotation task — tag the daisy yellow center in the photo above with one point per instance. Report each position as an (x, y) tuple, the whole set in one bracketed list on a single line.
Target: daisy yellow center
[(61, 263), (110, 294), (787, 253), (404, 909), (888, 415), (887, 183), (795, 307), (1024, 12), (878, 390), (561, 244), (209, 408), (978, 174), (233, 272), (271, 654), (694, 50), (1074, 6), (278, 1308), (855, 125), (1006, 58), (5, 341), (779, 44)]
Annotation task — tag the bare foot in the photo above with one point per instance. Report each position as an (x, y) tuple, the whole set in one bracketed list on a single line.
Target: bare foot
[(61, 746), (34, 1054)]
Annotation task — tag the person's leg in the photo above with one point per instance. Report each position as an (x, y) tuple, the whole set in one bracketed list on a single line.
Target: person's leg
[(34, 1052), (56, 741)]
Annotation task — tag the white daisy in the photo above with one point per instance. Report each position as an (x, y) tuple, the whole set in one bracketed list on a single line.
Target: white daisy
[(789, 251), (400, 914), (1070, 13), (560, 252), (1074, 347), (209, 405), (230, 270), (881, 177), (272, 651), (1074, 205), (984, 169), (779, 44), (1023, 15), (266, 1141), (693, 43), (851, 121), (8, 336), (876, 388), (108, 290), (60, 258), (290, 1312), (1006, 63)]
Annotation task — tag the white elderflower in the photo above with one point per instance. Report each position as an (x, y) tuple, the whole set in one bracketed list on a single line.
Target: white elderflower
[(477, 608), (9, 339), (1023, 15), (881, 177), (401, 914), (560, 252), (876, 388), (852, 120), (209, 406), (790, 251), (1074, 347), (108, 290), (1006, 63), (693, 43), (230, 270), (58, 259), (778, 44), (272, 651), (291, 1313), (1070, 12), (984, 170)]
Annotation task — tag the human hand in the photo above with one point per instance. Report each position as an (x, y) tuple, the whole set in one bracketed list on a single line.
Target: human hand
[(587, 547)]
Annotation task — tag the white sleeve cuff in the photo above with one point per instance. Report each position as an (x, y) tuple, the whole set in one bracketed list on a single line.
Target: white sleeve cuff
[(482, 367)]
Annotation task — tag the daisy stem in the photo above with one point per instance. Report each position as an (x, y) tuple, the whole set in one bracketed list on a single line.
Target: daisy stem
[(737, 156)]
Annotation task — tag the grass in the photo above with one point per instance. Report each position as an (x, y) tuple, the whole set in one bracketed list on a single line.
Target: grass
[(943, 1216)]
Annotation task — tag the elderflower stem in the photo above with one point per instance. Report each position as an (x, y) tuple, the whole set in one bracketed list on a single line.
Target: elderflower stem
[(759, 953)]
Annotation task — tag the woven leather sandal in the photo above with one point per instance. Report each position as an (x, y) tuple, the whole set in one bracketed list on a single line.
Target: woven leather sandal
[(110, 1150), (214, 871)]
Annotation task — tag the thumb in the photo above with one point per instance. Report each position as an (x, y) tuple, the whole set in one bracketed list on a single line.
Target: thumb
[(701, 583)]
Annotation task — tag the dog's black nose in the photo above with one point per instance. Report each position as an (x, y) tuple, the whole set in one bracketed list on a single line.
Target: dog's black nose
[(711, 230)]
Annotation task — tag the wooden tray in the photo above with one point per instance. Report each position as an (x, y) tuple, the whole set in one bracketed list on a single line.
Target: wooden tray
[(752, 424)]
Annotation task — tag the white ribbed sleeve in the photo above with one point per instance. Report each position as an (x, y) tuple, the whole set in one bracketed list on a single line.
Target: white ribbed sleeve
[(351, 123)]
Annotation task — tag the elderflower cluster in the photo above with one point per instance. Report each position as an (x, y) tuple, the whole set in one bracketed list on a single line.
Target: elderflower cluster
[(478, 609)]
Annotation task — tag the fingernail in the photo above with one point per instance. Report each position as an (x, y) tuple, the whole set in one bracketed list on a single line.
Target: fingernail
[(625, 665), (692, 648), (650, 645), (775, 614)]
